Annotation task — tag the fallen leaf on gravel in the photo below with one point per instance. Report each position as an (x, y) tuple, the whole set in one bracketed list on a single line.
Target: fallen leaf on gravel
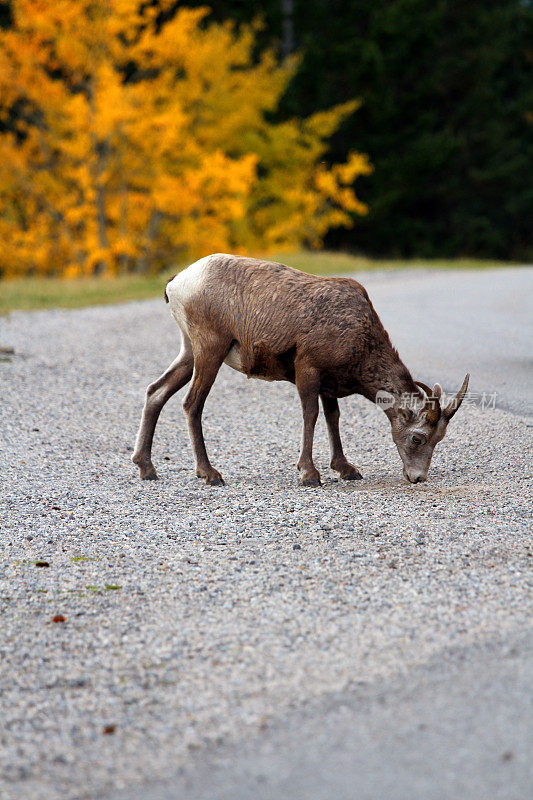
[(42, 564), (108, 729), (59, 618)]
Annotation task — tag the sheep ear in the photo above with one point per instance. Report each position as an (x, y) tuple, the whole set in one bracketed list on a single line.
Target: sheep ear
[(455, 404), (432, 405), (437, 391)]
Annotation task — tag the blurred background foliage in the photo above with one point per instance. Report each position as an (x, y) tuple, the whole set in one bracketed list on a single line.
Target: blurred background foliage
[(133, 134), (138, 133), (446, 118)]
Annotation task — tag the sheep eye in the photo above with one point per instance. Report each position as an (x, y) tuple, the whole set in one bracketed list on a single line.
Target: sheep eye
[(416, 439)]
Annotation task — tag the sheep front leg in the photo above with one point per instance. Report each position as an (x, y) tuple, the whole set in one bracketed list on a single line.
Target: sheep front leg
[(307, 383), (339, 462)]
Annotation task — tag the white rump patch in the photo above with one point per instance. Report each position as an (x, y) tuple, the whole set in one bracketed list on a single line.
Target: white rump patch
[(184, 287)]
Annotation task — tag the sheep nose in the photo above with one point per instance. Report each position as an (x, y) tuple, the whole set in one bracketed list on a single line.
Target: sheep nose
[(414, 478)]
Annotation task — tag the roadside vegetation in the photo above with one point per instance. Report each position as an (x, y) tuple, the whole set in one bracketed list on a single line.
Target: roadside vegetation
[(41, 293)]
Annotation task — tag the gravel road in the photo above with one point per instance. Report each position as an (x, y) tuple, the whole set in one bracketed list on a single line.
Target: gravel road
[(456, 727), (195, 619)]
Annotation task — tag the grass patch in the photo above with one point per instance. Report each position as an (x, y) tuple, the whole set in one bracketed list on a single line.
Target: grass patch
[(41, 293), (327, 263), (38, 293)]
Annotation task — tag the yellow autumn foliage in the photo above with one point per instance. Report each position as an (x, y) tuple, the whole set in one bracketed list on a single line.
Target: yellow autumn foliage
[(128, 142)]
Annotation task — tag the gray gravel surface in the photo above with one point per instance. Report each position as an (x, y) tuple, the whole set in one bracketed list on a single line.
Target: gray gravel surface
[(455, 728), (196, 616)]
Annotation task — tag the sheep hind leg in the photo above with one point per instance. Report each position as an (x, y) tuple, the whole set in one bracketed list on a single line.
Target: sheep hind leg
[(339, 462), (206, 366), (157, 394)]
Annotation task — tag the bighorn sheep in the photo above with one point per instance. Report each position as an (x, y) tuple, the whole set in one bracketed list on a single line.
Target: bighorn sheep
[(270, 321)]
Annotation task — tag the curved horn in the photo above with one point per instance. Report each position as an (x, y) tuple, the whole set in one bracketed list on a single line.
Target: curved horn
[(432, 405), (454, 405), (424, 387)]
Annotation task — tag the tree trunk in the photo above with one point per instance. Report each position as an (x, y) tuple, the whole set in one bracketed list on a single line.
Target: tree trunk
[(143, 262), (287, 27)]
